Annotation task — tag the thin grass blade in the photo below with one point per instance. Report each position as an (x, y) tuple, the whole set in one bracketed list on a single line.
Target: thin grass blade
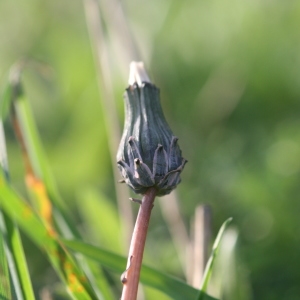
[(210, 263), (16, 247), (171, 286), (3, 154), (21, 287), (5, 101), (41, 183), (41, 234), (5, 286)]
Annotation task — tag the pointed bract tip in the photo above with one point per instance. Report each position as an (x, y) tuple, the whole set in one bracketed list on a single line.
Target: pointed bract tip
[(138, 74), (137, 161)]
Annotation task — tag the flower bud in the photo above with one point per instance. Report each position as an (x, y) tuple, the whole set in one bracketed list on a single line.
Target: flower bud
[(148, 153)]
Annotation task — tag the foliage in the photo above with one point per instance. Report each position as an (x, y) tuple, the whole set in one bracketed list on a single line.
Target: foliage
[(229, 78), (45, 222)]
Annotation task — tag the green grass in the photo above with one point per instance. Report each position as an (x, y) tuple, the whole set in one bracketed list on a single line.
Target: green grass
[(44, 220)]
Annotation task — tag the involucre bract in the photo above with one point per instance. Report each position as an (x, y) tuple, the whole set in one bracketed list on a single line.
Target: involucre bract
[(148, 154)]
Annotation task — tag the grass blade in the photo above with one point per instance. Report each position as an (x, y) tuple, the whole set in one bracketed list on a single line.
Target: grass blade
[(5, 288), (16, 247), (209, 265), (102, 61), (21, 286), (5, 101), (41, 184), (3, 155), (171, 286), (46, 239)]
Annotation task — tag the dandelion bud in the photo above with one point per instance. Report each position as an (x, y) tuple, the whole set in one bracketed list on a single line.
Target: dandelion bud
[(148, 154)]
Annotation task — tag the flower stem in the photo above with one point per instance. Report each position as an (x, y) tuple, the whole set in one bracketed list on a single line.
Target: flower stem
[(130, 277)]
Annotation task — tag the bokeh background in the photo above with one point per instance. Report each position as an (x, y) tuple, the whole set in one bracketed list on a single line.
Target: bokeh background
[(229, 74)]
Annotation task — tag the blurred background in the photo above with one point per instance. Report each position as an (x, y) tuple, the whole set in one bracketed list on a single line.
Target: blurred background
[(229, 75)]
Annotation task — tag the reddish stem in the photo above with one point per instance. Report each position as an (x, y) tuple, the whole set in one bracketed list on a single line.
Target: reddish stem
[(130, 277)]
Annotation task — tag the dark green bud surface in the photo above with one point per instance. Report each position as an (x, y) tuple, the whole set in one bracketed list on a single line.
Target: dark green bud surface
[(148, 153)]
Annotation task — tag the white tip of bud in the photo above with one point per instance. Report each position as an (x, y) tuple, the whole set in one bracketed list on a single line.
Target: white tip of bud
[(137, 74)]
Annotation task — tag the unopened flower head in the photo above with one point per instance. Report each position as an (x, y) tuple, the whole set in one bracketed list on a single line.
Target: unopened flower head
[(148, 153)]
